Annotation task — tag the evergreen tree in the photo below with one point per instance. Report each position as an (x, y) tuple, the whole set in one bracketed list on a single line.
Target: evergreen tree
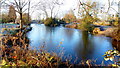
[(12, 14)]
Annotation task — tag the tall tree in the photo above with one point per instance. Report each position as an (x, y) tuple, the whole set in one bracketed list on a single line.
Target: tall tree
[(87, 8), (20, 6), (117, 11), (88, 14), (88, 11), (29, 10), (49, 7), (12, 14)]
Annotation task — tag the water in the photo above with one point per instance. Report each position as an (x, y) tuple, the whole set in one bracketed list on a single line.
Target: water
[(73, 42), (6, 25)]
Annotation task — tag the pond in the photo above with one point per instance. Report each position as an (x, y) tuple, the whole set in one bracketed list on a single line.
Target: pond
[(72, 43)]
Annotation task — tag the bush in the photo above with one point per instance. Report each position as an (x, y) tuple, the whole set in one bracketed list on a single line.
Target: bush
[(85, 27), (51, 22), (48, 21), (5, 18), (25, 19), (86, 23)]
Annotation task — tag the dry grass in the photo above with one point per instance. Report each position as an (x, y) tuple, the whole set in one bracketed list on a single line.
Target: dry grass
[(15, 52)]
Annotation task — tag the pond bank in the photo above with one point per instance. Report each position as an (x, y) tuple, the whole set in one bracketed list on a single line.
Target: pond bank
[(112, 32)]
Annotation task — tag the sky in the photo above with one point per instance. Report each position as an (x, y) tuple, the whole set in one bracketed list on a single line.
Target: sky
[(71, 5), (63, 9)]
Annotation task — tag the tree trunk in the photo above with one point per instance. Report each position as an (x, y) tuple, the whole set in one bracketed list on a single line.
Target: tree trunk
[(28, 11), (21, 22), (51, 13), (46, 14), (21, 25), (119, 23), (119, 14)]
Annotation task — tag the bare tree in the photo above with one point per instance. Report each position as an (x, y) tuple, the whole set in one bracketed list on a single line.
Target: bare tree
[(117, 11), (110, 6), (2, 1), (88, 8), (43, 7), (21, 7), (49, 7), (29, 5), (20, 4)]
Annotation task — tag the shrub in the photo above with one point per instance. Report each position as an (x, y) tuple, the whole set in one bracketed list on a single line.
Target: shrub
[(86, 22), (51, 22), (85, 27), (48, 21), (5, 18), (25, 19)]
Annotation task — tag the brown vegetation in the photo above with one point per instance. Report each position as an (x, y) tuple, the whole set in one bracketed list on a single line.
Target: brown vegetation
[(15, 52), (72, 26), (70, 17), (110, 32), (12, 14)]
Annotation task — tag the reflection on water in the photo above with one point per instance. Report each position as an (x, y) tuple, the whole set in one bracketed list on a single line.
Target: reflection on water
[(76, 43), (86, 48), (116, 44)]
